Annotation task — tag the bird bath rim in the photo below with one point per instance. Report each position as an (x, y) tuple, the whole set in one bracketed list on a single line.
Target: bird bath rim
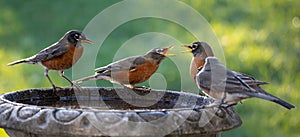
[(2, 98), (50, 121)]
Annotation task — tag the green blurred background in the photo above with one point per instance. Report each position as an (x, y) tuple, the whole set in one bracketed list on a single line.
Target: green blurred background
[(261, 38)]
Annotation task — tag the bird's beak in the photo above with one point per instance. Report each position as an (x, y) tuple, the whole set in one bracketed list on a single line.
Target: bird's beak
[(167, 50), (86, 41), (189, 49)]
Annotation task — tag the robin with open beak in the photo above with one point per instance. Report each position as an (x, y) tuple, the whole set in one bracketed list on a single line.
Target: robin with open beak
[(200, 51), (59, 56), (223, 85), (131, 70)]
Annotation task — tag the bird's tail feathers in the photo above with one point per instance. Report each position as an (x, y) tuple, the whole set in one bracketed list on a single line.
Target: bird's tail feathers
[(257, 83), (27, 60), (17, 62), (273, 99)]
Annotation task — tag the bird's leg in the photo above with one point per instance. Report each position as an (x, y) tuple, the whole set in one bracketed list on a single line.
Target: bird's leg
[(223, 104), (228, 104), (241, 102), (61, 73), (46, 74), (220, 103)]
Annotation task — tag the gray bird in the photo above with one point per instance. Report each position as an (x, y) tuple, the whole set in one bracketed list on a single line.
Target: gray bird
[(228, 87)]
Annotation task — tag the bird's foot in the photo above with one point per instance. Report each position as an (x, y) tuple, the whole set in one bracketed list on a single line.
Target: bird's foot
[(197, 108), (142, 88), (55, 89), (58, 88), (224, 105), (218, 104), (76, 87)]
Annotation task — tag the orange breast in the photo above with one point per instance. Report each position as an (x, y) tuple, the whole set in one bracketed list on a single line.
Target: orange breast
[(65, 61), (195, 64), (138, 75), (142, 73)]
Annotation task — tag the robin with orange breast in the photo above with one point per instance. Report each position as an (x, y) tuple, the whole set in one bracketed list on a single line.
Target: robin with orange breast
[(200, 51), (223, 85), (59, 56), (131, 70)]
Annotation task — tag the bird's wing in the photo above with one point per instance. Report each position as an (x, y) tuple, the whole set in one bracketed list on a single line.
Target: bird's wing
[(203, 79), (55, 50), (128, 64), (214, 76), (211, 77), (249, 79), (234, 83)]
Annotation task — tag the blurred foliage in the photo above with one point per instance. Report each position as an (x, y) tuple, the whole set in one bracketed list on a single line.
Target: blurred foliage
[(260, 38)]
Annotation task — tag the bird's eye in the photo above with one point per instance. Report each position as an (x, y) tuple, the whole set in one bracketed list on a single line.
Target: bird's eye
[(194, 46), (76, 36), (159, 51)]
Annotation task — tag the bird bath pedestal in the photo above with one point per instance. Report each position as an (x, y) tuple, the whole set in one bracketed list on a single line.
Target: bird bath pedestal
[(82, 112)]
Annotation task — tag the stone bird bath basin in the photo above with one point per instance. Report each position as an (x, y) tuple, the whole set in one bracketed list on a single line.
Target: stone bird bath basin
[(88, 111)]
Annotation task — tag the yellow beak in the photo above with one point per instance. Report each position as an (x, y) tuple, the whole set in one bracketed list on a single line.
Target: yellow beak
[(187, 51), (86, 41), (167, 50)]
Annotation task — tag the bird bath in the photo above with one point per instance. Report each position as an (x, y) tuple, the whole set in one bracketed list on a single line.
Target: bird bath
[(88, 111)]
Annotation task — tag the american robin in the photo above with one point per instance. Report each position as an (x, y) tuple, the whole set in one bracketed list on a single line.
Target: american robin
[(200, 51), (60, 55), (230, 87), (131, 70), (226, 86)]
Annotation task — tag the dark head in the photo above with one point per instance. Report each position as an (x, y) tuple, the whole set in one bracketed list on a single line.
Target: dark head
[(75, 36), (158, 54), (200, 49)]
